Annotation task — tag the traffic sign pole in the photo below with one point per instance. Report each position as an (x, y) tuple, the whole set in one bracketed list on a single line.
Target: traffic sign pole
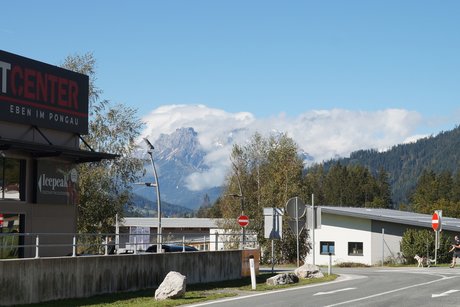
[(297, 228), (243, 220), (436, 224), (295, 208), (313, 227), (435, 247)]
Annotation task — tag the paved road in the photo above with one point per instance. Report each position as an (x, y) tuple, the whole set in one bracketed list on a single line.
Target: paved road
[(365, 287)]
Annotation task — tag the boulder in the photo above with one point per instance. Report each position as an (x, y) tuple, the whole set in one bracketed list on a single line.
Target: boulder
[(282, 279), (173, 286), (308, 271)]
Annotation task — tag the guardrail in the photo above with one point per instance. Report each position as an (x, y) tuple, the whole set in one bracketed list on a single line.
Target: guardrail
[(35, 245)]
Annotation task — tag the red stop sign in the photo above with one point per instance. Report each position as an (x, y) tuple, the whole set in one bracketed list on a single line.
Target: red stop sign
[(243, 220), (435, 221)]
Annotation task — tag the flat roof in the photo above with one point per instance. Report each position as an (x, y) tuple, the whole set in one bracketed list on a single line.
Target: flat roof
[(170, 222), (393, 216)]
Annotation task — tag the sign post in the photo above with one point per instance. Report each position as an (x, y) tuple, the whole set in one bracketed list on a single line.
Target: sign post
[(296, 210), (243, 220), (273, 221), (436, 224), (435, 221)]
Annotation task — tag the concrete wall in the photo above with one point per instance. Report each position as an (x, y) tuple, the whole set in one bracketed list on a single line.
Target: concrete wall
[(26, 281)]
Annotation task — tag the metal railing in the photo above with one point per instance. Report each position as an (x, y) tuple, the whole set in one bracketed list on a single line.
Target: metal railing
[(36, 245)]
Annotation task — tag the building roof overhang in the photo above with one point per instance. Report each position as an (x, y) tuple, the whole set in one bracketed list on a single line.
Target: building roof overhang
[(38, 150), (393, 216)]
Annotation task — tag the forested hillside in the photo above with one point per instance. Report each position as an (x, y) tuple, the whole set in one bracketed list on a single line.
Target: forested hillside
[(405, 163)]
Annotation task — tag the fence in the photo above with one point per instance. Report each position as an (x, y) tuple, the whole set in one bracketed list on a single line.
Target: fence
[(35, 245)]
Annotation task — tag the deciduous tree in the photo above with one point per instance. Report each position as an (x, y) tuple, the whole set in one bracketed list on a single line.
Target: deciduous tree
[(104, 187)]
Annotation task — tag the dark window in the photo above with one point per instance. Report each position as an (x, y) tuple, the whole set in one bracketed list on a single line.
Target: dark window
[(12, 178), (327, 247), (355, 248)]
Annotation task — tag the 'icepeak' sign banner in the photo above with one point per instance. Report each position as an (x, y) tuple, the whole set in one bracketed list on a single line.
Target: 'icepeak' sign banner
[(56, 183), (44, 95)]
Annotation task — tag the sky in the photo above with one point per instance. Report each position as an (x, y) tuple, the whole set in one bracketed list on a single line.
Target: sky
[(336, 75)]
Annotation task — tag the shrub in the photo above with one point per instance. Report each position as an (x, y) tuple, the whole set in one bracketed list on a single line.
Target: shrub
[(421, 242)]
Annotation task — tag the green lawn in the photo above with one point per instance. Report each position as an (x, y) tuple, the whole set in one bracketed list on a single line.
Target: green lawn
[(195, 293)]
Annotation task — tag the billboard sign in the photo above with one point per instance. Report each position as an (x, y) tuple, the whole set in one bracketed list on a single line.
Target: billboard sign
[(56, 183), (273, 222), (42, 95)]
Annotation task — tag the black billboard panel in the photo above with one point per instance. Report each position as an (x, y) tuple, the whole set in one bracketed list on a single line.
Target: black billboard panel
[(43, 95), (56, 183)]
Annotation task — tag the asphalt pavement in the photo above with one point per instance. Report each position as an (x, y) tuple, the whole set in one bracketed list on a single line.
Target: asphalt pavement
[(408, 286)]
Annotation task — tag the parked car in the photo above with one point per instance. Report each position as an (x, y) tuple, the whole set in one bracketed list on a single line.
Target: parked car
[(171, 248)]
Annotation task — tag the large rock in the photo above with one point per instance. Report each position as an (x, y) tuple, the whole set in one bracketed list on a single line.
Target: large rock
[(282, 279), (173, 286), (308, 271)]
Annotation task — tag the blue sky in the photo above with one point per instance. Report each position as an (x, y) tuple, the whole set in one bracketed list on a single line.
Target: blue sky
[(337, 75), (263, 57)]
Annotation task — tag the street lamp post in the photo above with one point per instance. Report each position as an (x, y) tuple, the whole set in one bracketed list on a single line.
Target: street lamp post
[(157, 186), (241, 197)]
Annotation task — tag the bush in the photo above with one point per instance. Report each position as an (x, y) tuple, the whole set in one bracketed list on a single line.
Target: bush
[(420, 242)]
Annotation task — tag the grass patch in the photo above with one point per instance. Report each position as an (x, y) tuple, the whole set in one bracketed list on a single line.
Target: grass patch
[(138, 299), (262, 286), (195, 293)]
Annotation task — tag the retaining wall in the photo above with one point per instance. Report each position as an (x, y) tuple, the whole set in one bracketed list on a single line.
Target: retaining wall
[(25, 281)]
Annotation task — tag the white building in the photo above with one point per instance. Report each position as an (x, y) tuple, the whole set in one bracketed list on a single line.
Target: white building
[(366, 236), (201, 233), (197, 232)]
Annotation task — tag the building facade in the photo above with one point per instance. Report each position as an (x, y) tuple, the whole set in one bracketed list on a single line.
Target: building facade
[(366, 236), (43, 115)]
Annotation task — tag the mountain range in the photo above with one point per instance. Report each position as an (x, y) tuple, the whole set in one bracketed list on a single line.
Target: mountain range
[(404, 163), (179, 154), (176, 156)]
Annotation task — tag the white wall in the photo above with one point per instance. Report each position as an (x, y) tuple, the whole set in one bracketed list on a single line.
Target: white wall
[(341, 230), (392, 236)]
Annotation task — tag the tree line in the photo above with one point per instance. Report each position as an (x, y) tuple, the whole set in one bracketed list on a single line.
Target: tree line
[(268, 171), (437, 191), (405, 163)]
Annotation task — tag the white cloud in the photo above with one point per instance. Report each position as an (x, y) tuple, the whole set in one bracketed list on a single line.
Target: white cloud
[(324, 134)]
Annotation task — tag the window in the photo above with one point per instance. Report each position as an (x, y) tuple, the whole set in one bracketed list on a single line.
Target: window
[(12, 177), (327, 247), (355, 248)]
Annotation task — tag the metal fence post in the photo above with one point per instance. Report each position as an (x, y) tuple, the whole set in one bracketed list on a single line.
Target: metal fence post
[(106, 247), (217, 240), (37, 242), (135, 245), (183, 243), (74, 247)]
